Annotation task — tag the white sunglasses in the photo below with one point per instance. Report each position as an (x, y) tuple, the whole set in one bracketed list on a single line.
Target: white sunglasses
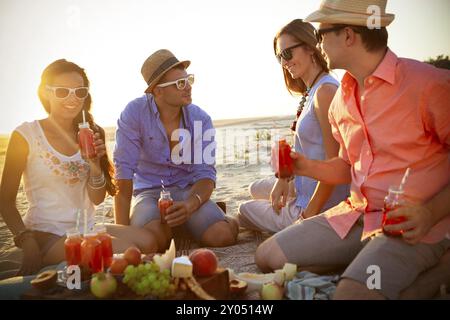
[(180, 83), (63, 92)]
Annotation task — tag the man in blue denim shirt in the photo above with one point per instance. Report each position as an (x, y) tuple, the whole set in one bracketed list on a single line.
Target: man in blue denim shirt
[(162, 138)]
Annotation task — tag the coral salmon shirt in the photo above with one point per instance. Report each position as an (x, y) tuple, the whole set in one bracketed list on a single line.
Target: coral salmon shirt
[(402, 120)]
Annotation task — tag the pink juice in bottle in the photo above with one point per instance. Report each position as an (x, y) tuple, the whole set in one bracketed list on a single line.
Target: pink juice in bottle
[(164, 202), (282, 162), (394, 200), (106, 245), (72, 247), (86, 140), (91, 253)]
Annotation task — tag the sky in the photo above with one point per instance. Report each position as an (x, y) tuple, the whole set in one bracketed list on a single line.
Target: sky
[(228, 42)]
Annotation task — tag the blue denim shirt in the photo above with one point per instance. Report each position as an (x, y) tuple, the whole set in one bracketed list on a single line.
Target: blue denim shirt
[(142, 150)]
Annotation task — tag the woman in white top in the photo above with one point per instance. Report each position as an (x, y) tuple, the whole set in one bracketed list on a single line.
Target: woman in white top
[(58, 180)]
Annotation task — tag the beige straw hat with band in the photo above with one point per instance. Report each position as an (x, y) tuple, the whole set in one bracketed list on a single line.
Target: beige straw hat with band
[(157, 65), (352, 12)]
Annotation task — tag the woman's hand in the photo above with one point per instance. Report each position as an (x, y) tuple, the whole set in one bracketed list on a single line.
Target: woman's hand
[(100, 150), (99, 144), (279, 194), (32, 259)]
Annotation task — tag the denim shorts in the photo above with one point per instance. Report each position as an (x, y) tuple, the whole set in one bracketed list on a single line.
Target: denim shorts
[(145, 209)]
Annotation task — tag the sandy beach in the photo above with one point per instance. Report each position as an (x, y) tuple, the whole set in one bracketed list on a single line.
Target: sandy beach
[(243, 150)]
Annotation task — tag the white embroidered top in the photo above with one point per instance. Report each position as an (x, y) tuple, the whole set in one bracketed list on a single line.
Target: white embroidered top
[(55, 184)]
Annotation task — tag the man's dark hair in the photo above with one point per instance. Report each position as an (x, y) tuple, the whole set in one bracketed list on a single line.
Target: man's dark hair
[(373, 39)]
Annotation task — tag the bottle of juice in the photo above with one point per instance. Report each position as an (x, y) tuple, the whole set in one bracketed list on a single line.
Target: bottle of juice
[(281, 160), (86, 140), (394, 200), (164, 202), (91, 253), (106, 244), (72, 247)]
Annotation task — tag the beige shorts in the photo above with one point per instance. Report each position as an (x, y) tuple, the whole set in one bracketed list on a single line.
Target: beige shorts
[(258, 214), (313, 242)]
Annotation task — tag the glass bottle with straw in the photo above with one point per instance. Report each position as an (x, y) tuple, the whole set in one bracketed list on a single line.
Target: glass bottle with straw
[(86, 139), (72, 244), (394, 200), (105, 240), (91, 249), (164, 202)]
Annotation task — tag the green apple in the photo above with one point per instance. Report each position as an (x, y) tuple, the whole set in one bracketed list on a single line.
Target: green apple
[(103, 285), (272, 291)]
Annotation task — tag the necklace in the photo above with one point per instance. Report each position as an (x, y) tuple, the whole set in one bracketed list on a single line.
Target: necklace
[(301, 105)]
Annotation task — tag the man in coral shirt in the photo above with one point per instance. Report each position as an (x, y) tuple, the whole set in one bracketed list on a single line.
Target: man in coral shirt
[(389, 114)]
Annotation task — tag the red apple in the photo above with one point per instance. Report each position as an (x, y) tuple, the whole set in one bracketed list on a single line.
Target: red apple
[(204, 262), (133, 256), (118, 265)]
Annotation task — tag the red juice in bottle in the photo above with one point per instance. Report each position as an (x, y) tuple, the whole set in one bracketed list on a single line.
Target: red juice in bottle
[(164, 202), (285, 163), (394, 200), (91, 253), (86, 140), (72, 247), (106, 244)]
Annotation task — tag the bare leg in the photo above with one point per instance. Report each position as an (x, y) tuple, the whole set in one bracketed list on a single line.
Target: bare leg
[(161, 232), (55, 254), (349, 289), (269, 256), (221, 234), (126, 236)]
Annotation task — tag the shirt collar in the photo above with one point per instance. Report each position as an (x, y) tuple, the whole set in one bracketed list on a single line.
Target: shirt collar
[(386, 69)]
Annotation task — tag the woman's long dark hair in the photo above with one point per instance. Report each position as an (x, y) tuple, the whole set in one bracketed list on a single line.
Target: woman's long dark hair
[(63, 66)]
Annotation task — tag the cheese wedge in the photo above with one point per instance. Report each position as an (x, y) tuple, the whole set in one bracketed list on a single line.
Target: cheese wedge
[(182, 267)]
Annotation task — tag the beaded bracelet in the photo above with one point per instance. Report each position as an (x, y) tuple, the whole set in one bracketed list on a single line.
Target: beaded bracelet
[(97, 187), (97, 182)]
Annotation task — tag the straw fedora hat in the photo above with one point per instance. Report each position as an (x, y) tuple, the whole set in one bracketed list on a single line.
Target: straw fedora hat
[(351, 12), (157, 65)]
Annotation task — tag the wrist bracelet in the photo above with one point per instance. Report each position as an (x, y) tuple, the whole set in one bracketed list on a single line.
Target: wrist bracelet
[(97, 187), (199, 199), (287, 179), (98, 179)]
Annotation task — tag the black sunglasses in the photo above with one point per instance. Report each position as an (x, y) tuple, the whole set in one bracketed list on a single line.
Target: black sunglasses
[(320, 32), (286, 54)]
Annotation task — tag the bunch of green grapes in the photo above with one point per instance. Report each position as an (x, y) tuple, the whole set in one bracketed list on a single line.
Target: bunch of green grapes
[(147, 279)]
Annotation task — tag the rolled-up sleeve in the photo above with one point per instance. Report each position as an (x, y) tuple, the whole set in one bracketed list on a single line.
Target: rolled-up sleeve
[(206, 170), (128, 143)]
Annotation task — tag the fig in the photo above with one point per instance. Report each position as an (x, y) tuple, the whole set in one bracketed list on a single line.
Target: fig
[(45, 280), (238, 286)]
